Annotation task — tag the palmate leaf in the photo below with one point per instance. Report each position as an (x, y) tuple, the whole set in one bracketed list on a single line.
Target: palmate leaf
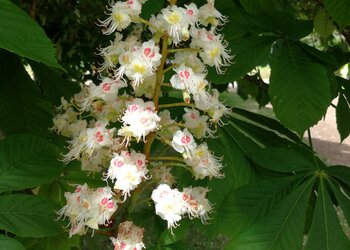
[(27, 161), (245, 205), (325, 232), (28, 216), (299, 88), (281, 228), (10, 243), (20, 34)]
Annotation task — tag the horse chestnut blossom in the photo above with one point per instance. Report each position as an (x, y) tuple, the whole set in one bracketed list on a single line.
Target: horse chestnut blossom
[(171, 204), (128, 169), (139, 119), (131, 127), (88, 208), (129, 237)]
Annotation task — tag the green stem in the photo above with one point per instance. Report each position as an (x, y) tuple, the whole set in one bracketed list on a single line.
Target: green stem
[(184, 49), (178, 104), (167, 158)]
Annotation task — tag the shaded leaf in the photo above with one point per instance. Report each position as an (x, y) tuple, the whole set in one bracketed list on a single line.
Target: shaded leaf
[(59, 242), (343, 116), (53, 84), (22, 106), (27, 216), (20, 34), (168, 238), (27, 161), (339, 11), (323, 24), (8, 243), (341, 173)]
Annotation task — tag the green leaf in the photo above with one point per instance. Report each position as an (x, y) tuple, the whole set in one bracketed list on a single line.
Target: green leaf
[(325, 232), (27, 161), (27, 216), (299, 88), (343, 116), (281, 228), (20, 34), (343, 201), (339, 11), (168, 238), (59, 242), (245, 205), (22, 106), (249, 52), (53, 84), (341, 173), (256, 6), (282, 160), (323, 24), (151, 7), (8, 243)]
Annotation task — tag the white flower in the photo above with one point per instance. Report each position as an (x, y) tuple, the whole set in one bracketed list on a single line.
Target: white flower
[(212, 105), (127, 169), (88, 208), (183, 142), (129, 237), (121, 15), (189, 59), (215, 51), (197, 124), (169, 204), (196, 203), (139, 62), (204, 164), (186, 79), (139, 119), (89, 140), (177, 23), (209, 15)]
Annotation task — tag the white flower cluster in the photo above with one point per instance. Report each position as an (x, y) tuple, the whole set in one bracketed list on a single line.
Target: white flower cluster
[(128, 169), (88, 208), (129, 106), (129, 237), (139, 119), (171, 204)]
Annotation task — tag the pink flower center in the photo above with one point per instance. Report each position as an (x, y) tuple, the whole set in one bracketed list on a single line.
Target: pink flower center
[(185, 139), (185, 74), (133, 108), (104, 201), (106, 87), (118, 163), (193, 116), (99, 136), (110, 205), (148, 53), (210, 37), (139, 162), (190, 12)]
